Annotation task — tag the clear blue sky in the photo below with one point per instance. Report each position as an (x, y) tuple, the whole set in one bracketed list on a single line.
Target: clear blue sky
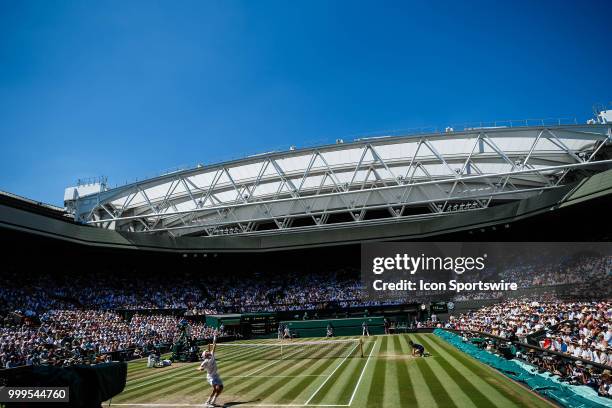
[(129, 88)]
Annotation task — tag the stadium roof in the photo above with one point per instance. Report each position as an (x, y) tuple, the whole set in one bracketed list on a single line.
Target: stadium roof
[(50, 210), (420, 176)]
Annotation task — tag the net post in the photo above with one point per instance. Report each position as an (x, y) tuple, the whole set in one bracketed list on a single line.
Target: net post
[(361, 347)]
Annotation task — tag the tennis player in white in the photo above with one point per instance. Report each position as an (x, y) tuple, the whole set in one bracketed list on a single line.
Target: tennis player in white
[(212, 375)]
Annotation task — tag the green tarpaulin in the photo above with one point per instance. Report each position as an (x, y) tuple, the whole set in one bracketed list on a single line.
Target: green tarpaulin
[(571, 396)]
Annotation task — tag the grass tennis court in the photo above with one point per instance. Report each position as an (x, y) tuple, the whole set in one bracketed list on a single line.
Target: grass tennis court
[(386, 376)]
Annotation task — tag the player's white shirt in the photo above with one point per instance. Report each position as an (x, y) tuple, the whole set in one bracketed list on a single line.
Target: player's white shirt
[(210, 365)]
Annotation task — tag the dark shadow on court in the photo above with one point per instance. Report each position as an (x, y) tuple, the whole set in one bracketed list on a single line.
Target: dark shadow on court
[(234, 403)]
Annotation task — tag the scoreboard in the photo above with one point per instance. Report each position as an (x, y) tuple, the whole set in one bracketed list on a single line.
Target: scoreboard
[(438, 307), (248, 324), (258, 323)]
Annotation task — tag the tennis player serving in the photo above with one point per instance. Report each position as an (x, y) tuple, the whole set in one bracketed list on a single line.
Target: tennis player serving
[(212, 375)]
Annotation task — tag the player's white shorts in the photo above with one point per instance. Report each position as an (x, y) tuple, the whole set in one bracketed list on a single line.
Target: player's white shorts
[(214, 380)]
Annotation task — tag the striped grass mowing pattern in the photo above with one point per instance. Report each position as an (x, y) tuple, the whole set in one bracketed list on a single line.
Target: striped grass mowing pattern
[(387, 376)]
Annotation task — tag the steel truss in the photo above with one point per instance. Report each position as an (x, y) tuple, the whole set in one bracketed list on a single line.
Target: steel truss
[(410, 176)]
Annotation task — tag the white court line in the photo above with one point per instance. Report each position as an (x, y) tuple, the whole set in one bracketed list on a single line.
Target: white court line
[(159, 378), (242, 405), (258, 376), (329, 376), (361, 375), (261, 368), (273, 362)]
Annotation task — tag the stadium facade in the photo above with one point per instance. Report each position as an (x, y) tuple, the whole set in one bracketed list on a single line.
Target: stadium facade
[(424, 186)]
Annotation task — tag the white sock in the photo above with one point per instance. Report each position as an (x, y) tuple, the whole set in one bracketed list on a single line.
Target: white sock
[(213, 400)]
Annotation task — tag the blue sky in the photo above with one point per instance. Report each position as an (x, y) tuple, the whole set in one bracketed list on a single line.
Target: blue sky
[(127, 89)]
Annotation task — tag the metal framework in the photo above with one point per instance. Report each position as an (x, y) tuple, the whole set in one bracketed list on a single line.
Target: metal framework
[(419, 176)]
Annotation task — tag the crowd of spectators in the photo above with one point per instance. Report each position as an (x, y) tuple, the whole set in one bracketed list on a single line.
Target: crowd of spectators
[(67, 337), (582, 276), (568, 322), (259, 291), (557, 272), (579, 335), (199, 294), (247, 291), (36, 293)]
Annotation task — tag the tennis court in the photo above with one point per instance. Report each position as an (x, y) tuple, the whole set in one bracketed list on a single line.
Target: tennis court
[(332, 375)]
